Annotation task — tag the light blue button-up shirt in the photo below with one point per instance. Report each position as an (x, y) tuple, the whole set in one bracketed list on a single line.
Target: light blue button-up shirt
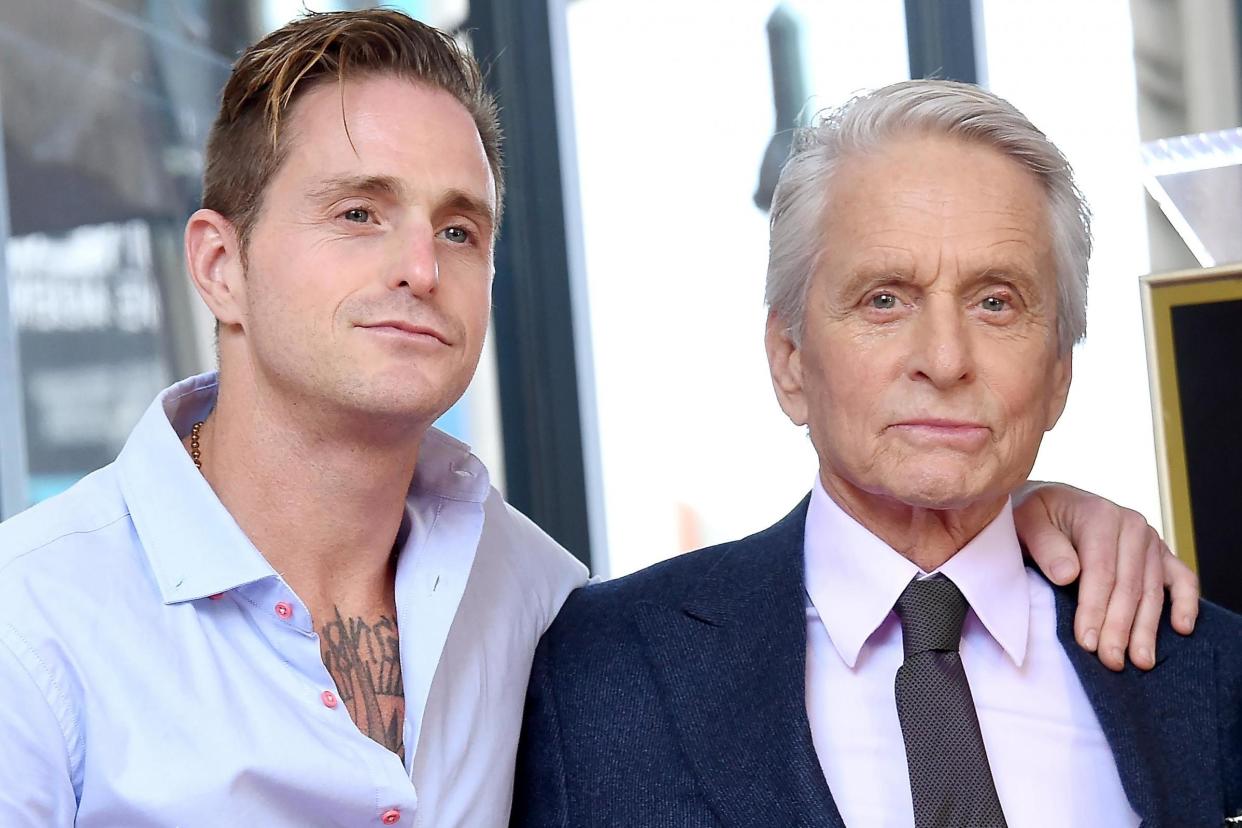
[(147, 678)]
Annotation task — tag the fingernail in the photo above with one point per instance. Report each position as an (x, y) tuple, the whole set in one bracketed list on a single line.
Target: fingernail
[(1117, 655), (1090, 639), (1188, 621), (1145, 655), (1062, 571)]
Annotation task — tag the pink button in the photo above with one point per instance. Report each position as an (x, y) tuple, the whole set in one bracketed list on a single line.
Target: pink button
[(391, 816), (217, 596), (284, 610), (329, 698)]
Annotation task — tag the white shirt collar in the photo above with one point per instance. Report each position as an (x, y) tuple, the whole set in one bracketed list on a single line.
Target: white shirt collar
[(853, 578), (194, 546)]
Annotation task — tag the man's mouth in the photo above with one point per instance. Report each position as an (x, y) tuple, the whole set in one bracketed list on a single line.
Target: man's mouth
[(407, 330), (964, 434)]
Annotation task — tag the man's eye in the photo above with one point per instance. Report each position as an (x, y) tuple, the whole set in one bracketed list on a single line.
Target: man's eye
[(883, 301), (457, 235), (357, 214), (994, 304)]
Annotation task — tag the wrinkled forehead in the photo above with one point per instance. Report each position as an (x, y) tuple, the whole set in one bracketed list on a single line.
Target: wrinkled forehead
[(935, 202)]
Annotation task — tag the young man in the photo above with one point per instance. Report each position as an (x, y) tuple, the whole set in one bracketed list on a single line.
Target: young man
[(290, 601)]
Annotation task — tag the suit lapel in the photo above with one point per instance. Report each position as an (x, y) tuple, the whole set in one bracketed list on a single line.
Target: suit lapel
[(730, 664), (1160, 725)]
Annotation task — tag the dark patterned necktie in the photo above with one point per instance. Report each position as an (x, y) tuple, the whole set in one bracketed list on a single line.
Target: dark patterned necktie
[(950, 780)]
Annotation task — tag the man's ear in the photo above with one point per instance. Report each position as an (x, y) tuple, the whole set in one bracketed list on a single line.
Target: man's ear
[(785, 365), (1064, 373), (213, 258)]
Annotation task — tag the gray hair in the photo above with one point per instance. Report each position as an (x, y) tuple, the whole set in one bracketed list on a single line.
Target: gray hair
[(917, 107)]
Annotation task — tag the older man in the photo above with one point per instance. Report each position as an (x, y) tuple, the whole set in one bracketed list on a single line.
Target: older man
[(881, 656)]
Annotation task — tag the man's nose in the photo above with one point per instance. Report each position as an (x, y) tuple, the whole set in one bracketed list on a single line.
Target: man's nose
[(416, 268), (941, 351)]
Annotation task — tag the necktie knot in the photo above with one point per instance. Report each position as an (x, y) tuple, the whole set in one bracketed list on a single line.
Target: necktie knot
[(931, 611)]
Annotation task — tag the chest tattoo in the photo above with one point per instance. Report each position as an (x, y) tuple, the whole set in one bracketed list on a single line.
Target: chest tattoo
[(364, 659)]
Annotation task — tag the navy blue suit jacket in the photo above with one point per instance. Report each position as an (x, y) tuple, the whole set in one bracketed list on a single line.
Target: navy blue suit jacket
[(676, 697)]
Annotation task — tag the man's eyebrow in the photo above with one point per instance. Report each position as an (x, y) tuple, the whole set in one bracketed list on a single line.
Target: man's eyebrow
[(460, 201), (1015, 274), (371, 184), (872, 275)]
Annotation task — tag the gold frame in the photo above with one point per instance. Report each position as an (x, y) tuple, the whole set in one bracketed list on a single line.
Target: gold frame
[(1161, 293)]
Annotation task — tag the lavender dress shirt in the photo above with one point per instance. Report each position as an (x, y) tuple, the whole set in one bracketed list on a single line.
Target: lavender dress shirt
[(1049, 758)]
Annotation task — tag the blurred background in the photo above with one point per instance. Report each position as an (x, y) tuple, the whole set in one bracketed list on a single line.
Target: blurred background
[(624, 401)]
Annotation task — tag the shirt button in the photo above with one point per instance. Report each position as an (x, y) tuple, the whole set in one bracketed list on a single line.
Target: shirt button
[(284, 610), (329, 699), (391, 816)]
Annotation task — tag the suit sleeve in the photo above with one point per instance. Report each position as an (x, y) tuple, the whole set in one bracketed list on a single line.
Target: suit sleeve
[(540, 796), (36, 790)]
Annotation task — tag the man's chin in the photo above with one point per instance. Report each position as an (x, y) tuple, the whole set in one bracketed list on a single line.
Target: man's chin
[(940, 490), (404, 406), (395, 400)]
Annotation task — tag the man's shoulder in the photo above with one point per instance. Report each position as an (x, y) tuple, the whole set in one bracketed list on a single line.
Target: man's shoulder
[(667, 582), (603, 607), (1216, 627), (526, 547), (1222, 629), (1209, 660), (737, 564), (86, 518), (597, 620), (63, 559), (519, 567), (1217, 640)]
